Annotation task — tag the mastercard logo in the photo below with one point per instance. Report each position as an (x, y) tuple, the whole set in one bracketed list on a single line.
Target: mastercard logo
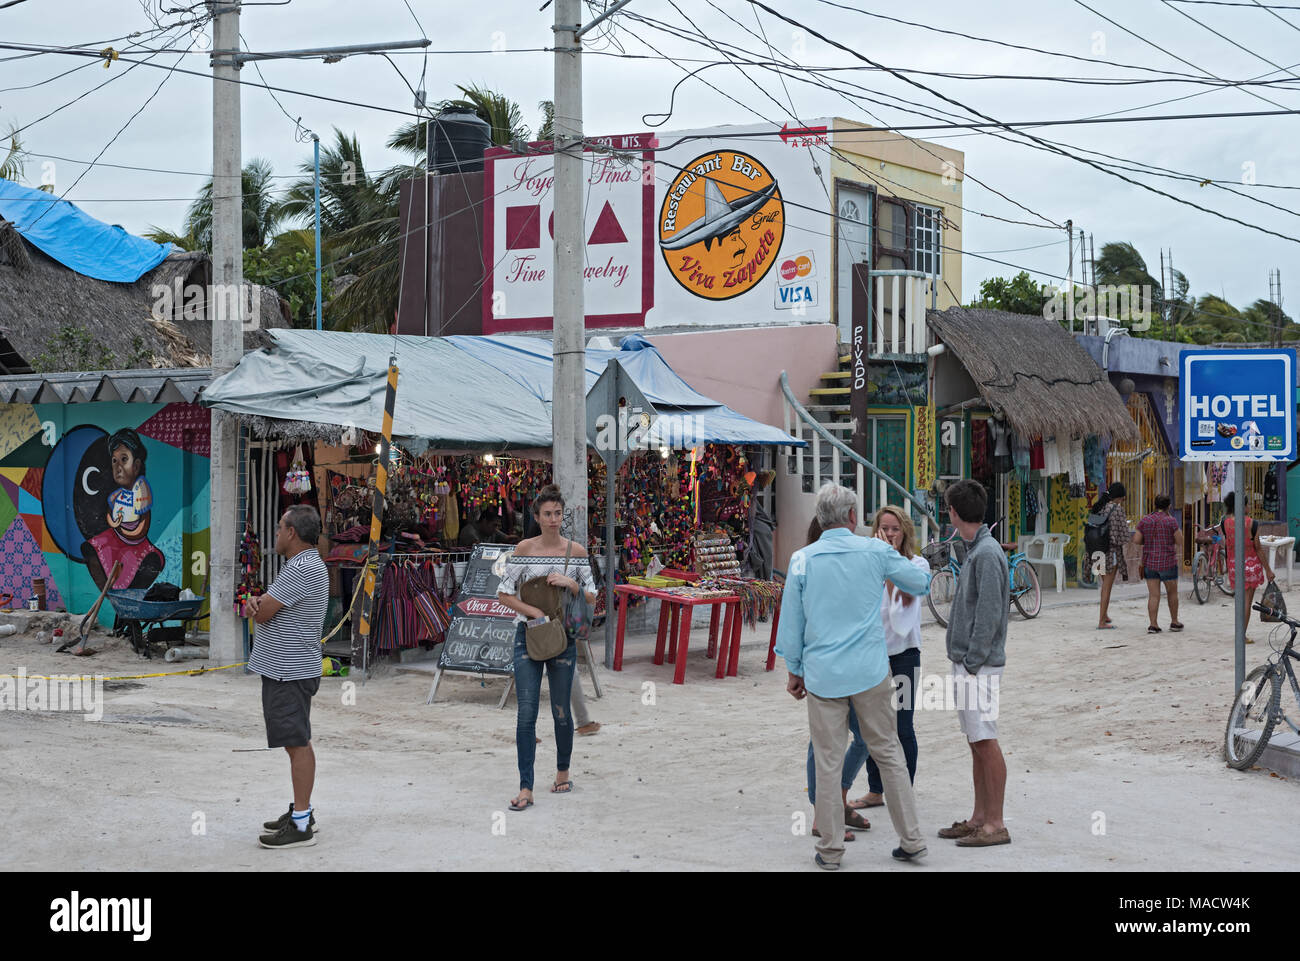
[(803, 266), (789, 270)]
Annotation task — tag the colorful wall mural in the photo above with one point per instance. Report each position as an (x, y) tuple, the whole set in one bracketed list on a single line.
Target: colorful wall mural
[(87, 487)]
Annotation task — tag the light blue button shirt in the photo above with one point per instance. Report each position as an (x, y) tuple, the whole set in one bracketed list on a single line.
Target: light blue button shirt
[(830, 632)]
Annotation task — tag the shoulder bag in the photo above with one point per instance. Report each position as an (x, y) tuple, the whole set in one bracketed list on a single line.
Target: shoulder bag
[(548, 640)]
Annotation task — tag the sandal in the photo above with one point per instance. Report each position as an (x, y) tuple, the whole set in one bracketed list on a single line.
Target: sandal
[(1153, 630), (1175, 626), (852, 819), (1106, 627), (562, 787), (515, 805), (848, 835), (862, 802)]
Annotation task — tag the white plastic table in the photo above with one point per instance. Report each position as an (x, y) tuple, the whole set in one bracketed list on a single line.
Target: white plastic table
[(1287, 545)]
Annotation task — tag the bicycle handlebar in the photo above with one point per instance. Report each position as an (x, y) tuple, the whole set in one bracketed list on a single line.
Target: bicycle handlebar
[(1280, 615)]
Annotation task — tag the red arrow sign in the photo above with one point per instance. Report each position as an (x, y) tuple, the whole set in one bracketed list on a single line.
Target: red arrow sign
[(787, 132)]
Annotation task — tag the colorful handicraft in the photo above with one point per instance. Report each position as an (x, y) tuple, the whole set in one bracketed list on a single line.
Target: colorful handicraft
[(250, 564)]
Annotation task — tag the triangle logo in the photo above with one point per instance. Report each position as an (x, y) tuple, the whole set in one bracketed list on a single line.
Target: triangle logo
[(607, 229)]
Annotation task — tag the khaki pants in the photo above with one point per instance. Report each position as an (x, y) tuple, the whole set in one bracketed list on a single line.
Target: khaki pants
[(828, 723)]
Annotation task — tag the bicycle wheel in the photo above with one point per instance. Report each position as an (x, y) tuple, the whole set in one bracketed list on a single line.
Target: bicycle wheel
[(943, 587), (1025, 592), (1254, 712), (1221, 574), (1201, 577)]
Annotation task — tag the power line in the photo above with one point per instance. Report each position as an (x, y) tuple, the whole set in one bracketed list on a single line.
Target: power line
[(1044, 143)]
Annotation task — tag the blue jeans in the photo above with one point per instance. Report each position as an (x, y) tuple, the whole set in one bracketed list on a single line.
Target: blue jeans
[(853, 759), (528, 691), (908, 667)]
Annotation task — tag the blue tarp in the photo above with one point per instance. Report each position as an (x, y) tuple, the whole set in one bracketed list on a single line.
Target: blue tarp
[(77, 240), (459, 391)]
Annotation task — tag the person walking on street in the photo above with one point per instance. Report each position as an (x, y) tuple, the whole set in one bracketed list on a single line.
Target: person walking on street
[(287, 653), (900, 614), (854, 757), (834, 649), (564, 565), (1161, 538), (977, 632), (1110, 506), (1258, 570)]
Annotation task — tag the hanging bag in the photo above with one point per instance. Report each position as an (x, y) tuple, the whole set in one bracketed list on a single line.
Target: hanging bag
[(577, 610), (1274, 601)]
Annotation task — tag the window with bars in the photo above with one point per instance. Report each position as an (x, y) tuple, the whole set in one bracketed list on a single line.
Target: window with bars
[(927, 239)]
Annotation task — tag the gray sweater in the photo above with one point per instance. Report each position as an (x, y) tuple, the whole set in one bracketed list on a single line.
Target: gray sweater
[(977, 627)]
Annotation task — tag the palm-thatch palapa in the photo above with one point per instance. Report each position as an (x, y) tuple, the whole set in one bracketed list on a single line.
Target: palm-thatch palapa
[(1032, 372)]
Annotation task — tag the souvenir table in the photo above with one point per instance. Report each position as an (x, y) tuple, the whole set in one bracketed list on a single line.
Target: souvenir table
[(675, 613), (776, 616)]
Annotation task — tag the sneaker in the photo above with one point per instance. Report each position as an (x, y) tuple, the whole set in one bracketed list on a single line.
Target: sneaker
[(288, 837), (826, 865), (901, 855), (287, 818)]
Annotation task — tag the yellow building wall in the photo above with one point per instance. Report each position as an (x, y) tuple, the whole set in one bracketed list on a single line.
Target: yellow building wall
[(931, 176), (1066, 515)]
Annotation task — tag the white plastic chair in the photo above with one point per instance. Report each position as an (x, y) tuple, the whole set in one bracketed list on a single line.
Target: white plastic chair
[(1048, 550)]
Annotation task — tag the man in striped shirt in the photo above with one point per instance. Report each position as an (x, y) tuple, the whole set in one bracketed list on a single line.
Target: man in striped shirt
[(287, 653)]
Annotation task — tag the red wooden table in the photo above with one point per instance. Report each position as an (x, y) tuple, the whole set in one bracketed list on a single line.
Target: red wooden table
[(776, 615), (675, 611)]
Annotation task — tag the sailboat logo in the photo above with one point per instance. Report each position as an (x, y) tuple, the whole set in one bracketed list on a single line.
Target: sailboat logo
[(721, 224)]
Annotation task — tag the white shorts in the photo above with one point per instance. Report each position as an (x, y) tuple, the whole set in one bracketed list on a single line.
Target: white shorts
[(977, 698)]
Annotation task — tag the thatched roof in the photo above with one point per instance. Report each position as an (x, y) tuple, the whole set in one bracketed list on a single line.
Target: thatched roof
[(154, 386), (1032, 372), (38, 295)]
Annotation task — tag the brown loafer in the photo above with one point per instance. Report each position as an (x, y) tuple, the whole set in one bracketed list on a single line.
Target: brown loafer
[(959, 829), (983, 839)]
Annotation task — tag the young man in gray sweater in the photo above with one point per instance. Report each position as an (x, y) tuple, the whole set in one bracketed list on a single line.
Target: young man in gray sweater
[(977, 631)]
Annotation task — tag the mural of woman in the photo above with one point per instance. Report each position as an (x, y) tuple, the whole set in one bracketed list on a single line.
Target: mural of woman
[(126, 539)]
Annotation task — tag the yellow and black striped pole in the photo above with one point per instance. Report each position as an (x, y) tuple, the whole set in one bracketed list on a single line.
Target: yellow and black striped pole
[(377, 513)]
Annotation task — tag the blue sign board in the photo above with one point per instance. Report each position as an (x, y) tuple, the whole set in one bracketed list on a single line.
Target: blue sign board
[(1237, 405)]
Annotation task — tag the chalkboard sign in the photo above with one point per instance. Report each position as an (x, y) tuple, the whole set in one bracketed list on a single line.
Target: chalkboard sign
[(481, 636)]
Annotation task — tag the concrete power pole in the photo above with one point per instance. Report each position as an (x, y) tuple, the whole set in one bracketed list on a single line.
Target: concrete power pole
[(1069, 273), (225, 309), (569, 405)]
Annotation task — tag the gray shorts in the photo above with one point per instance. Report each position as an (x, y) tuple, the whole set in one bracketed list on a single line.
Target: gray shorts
[(286, 706)]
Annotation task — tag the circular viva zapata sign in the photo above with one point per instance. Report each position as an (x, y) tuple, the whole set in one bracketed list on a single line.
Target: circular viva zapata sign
[(721, 224)]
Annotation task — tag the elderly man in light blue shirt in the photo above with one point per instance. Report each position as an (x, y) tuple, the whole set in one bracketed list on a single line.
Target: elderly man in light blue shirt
[(834, 648)]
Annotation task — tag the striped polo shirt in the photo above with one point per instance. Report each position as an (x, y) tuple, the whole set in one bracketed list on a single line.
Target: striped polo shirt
[(287, 647)]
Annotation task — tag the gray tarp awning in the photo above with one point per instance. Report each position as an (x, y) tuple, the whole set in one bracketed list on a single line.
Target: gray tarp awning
[(458, 391)]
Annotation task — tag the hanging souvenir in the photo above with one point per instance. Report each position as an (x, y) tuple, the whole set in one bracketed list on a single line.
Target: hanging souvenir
[(298, 479)]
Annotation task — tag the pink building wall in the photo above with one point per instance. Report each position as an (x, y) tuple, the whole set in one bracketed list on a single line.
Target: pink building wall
[(741, 367)]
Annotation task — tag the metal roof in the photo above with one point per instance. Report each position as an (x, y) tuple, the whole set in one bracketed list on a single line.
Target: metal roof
[(161, 386)]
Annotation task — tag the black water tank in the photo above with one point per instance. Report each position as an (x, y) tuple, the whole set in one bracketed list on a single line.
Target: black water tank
[(459, 138)]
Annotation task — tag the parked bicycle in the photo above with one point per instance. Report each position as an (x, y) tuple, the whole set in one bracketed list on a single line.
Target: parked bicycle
[(1258, 708), (1022, 579), (1210, 565)]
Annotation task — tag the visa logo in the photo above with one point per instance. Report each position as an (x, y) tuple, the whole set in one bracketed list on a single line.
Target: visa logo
[(795, 295)]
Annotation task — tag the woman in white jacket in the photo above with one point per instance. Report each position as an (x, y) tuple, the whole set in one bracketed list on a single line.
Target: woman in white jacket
[(900, 615)]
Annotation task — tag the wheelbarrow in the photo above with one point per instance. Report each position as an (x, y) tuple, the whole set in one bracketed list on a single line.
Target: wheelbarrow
[(135, 615)]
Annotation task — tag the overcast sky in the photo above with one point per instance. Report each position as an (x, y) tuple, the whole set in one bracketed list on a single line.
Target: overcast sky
[(174, 130)]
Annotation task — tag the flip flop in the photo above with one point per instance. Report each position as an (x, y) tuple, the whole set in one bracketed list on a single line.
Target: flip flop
[(859, 803), (848, 835), (1153, 630), (516, 806), (1106, 627), (852, 819), (562, 787), (1175, 626)]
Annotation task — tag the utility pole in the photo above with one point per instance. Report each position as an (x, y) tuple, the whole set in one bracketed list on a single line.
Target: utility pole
[(226, 312), (1069, 273), (1164, 296), (226, 306), (569, 381)]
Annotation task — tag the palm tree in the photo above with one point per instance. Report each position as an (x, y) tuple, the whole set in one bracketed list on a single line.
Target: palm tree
[(499, 112), (11, 168), (359, 228), (262, 212), (1120, 265)]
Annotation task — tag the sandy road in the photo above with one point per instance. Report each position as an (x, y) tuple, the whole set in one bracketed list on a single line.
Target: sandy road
[(1112, 743)]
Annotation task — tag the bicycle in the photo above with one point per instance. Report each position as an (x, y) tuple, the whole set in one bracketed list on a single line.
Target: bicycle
[(1210, 565), (1258, 705), (1022, 580)]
